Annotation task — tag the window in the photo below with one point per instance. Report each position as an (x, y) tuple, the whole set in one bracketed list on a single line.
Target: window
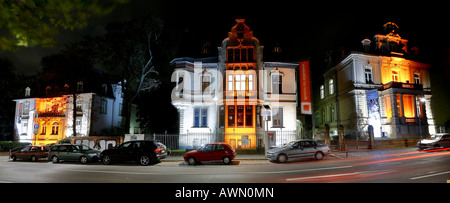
[(322, 92), (104, 106), (237, 55), (231, 115), (240, 82), (244, 55), (249, 116), (44, 129), (332, 112), (240, 115), (55, 128), (331, 85), (230, 56), (395, 76), (408, 105), (200, 117), (277, 120), (368, 76), (250, 82), (416, 78), (387, 106), (230, 82), (206, 81), (276, 84), (250, 54)]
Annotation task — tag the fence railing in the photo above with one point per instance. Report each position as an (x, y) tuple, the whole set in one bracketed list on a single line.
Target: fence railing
[(236, 140)]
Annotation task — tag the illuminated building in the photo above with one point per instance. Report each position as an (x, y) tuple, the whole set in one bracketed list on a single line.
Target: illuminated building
[(222, 98), (45, 120), (380, 86)]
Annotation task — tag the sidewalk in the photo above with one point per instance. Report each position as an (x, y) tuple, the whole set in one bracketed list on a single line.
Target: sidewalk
[(334, 154)]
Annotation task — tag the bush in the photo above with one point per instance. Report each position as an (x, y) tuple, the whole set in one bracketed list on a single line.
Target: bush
[(5, 146)]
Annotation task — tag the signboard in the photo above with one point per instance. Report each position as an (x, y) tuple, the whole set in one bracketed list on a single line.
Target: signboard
[(244, 140), (305, 88), (373, 108)]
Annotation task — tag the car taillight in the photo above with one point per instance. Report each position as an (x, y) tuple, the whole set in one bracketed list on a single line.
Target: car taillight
[(157, 150)]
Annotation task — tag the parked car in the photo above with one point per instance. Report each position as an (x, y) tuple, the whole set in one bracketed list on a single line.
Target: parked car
[(143, 151), (73, 152), (441, 140), (211, 152), (30, 152), (298, 149)]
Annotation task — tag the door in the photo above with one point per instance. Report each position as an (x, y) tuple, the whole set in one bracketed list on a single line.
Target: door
[(219, 152), (205, 153), (295, 151), (73, 153), (309, 148)]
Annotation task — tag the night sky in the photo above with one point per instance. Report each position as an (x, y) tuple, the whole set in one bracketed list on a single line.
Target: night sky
[(301, 29)]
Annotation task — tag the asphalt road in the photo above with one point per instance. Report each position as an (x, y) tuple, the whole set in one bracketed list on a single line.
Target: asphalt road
[(407, 167)]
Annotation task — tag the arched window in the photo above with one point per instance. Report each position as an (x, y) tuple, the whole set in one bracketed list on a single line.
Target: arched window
[(55, 128)]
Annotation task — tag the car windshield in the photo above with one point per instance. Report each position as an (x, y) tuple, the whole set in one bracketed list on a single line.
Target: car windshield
[(435, 137)]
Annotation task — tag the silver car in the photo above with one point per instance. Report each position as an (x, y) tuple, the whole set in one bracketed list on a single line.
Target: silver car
[(298, 149), (441, 140)]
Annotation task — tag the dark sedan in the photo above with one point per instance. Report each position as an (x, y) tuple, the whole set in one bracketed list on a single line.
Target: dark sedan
[(142, 151)]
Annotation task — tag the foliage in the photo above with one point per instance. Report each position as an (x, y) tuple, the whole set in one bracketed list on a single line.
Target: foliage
[(37, 22), (65, 140), (9, 145)]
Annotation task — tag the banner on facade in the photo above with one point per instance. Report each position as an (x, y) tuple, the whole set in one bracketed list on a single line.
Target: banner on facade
[(373, 108), (305, 88)]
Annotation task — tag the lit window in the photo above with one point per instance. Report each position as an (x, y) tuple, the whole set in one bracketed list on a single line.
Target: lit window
[(322, 92), (55, 128), (250, 82), (395, 76), (240, 82), (230, 82), (331, 85), (416, 78), (368, 75), (277, 115), (277, 84)]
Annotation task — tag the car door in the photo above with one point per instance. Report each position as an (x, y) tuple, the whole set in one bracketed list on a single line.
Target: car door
[(219, 152), (309, 148), (445, 141), (73, 153), (295, 150), (205, 153)]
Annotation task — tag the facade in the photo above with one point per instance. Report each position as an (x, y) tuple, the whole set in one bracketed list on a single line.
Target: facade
[(381, 87), (223, 98), (46, 120)]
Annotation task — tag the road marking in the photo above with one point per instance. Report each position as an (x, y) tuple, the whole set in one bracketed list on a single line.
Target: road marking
[(431, 175), (379, 172), (201, 173)]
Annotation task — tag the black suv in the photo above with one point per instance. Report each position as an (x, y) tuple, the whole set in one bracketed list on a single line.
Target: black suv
[(142, 151)]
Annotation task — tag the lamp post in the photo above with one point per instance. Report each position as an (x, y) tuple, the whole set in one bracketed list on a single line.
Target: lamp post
[(266, 115)]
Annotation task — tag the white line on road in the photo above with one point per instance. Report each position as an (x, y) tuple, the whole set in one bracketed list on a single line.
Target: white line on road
[(426, 176), (342, 174)]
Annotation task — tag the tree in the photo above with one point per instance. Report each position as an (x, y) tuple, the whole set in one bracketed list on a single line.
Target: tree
[(128, 56), (37, 22)]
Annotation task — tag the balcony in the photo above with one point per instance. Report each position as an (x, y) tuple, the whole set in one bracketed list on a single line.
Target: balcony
[(241, 93), (411, 86), (52, 114)]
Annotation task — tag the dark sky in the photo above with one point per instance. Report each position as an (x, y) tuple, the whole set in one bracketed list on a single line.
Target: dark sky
[(301, 29)]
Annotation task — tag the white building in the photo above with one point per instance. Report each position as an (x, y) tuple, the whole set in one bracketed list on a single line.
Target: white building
[(380, 86), (45, 120), (223, 98)]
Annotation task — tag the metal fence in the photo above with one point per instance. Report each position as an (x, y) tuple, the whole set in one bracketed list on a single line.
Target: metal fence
[(196, 140)]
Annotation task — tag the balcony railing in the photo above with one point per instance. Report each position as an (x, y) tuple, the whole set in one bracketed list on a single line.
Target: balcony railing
[(403, 85), (52, 114)]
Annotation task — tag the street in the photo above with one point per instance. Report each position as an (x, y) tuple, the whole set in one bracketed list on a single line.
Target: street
[(384, 166)]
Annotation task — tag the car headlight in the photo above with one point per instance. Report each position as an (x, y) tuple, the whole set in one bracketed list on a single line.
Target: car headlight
[(93, 154)]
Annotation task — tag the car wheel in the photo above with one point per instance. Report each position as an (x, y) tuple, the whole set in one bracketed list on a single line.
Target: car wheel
[(319, 155), (13, 158), (191, 161), (106, 160), (282, 158), (226, 160), (34, 158), (83, 159), (55, 159), (144, 160)]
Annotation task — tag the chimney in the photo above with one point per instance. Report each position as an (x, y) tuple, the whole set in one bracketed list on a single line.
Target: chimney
[(366, 44), (27, 92)]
